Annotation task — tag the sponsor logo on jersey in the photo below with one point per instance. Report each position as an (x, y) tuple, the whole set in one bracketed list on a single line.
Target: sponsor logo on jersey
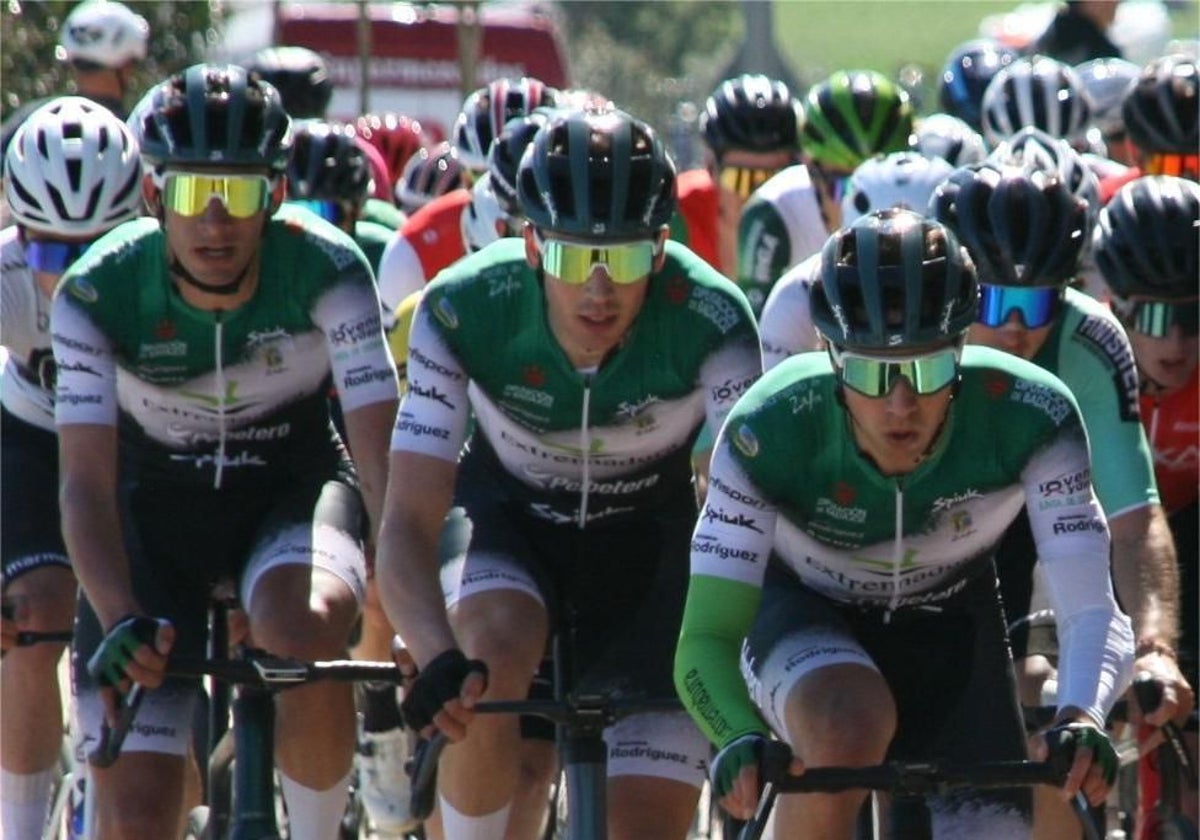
[(805, 398), (1078, 524), (1051, 402), (430, 393), (710, 545), (677, 289), (534, 375), (641, 749), (715, 306), (634, 412), (162, 350), (77, 399), (405, 423), (962, 523), (702, 704), (546, 511), (1105, 340), (745, 440), (424, 361), (341, 256), (353, 333), (732, 389), (80, 288), (737, 520), (67, 341), (190, 436), (76, 367), (258, 338), (715, 483), (529, 395), (165, 330), (503, 286), (844, 493), (942, 503), (1066, 485), (357, 377), (227, 462), (443, 310), (843, 513), (765, 246), (996, 384), (569, 484)]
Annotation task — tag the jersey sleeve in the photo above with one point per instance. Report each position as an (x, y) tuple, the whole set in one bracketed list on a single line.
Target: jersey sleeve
[(730, 547), (764, 250), (86, 386), (1095, 637), (785, 326), (726, 375), (349, 316), (433, 415)]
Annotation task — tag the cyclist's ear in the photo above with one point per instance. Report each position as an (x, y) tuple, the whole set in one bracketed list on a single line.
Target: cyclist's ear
[(278, 193), (152, 196), (660, 247), (532, 255)]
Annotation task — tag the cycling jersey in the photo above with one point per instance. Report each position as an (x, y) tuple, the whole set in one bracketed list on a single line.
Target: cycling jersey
[(27, 380), (788, 481), (576, 447), (383, 213), (697, 222), (1173, 426), (1087, 349), (781, 224), (373, 238), (211, 398), (427, 242)]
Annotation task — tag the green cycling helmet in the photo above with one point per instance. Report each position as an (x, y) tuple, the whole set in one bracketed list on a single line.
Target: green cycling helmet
[(854, 115), (213, 114)]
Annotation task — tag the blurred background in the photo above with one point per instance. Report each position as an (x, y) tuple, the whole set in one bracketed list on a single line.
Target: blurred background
[(657, 60)]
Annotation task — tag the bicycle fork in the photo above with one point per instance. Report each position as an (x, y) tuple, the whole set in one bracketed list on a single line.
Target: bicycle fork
[(253, 768)]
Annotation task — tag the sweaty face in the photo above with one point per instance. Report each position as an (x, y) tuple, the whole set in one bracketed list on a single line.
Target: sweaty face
[(1166, 363)]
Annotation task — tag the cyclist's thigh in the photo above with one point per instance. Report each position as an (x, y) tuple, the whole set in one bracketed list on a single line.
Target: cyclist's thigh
[(640, 806), (32, 535), (318, 525), (795, 633)]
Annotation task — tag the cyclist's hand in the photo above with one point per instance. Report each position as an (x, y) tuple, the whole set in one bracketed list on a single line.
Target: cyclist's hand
[(734, 775), (133, 651), (444, 695), (1093, 767), (1177, 697)]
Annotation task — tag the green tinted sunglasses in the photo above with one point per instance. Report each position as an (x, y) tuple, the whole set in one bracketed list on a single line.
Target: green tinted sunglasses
[(874, 376), (572, 262)]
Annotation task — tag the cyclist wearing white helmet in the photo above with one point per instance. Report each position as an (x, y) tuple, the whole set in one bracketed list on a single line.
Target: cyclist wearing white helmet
[(950, 138), (904, 180), (1036, 91), (74, 173), (483, 219), (1107, 81), (101, 42)]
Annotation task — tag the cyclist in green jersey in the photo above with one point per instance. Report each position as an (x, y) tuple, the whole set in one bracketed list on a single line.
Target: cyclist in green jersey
[(195, 351), (845, 548)]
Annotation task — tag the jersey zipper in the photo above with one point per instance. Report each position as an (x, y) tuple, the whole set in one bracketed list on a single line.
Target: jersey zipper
[(585, 446), (897, 553), (220, 381)]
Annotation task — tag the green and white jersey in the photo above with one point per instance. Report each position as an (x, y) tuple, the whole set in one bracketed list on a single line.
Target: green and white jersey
[(220, 398), (1087, 349), (788, 481), (578, 446)]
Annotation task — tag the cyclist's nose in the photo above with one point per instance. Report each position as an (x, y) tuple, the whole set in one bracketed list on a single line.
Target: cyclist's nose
[(901, 399)]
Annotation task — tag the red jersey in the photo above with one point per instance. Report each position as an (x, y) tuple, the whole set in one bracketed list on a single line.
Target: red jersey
[(429, 240), (1173, 427), (700, 213)]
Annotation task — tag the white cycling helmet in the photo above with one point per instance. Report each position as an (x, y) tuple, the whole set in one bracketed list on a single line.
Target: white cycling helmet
[(104, 33), (947, 137), (1107, 81), (1036, 91), (901, 179), (483, 221), (73, 169), (1034, 147)]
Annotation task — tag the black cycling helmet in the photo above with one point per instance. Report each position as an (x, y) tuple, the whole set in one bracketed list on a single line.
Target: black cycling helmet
[(1148, 239), (597, 174), (752, 113), (504, 156), (488, 110), (213, 114), (300, 76), (1022, 226), (968, 71), (893, 279), (327, 164), (1160, 111)]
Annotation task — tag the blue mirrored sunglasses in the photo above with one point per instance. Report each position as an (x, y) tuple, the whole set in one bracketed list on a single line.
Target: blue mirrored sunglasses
[(53, 257), (330, 211), (1036, 307)]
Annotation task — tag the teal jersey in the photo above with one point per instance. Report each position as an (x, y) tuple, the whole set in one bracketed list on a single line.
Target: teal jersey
[(372, 238), (204, 396), (789, 482), (383, 213)]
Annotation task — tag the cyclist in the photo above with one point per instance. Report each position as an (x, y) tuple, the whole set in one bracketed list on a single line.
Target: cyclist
[(1146, 247), (969, 69), (103, 42), (397, 138), (751, 126), (55, 217), (589, 354), (855, 501), (300, 76), (901, 179), (483, 219), (847, 118), (428, 174), (1162, 118), (432, 238), (1079, 33), (950, 138), (194, 351), (1107, 82), (1036, 91)]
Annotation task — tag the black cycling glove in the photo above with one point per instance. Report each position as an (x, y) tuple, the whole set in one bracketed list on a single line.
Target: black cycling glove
[(438, 682)]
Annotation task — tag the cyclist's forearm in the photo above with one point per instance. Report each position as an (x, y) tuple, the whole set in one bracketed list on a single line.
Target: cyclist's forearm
[(92, 531), (1146, 573)]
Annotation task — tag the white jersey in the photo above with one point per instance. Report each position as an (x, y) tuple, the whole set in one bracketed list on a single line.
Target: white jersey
[(27, 384), (785, 326)]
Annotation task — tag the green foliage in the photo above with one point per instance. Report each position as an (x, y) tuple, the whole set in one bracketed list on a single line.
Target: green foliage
[(180, 32)]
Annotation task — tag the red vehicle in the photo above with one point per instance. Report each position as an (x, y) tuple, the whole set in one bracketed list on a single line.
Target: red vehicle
[(413, 64)]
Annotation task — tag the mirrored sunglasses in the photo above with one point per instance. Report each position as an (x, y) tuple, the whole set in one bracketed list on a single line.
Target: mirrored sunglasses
[(572, 262), (1036, 307), (1154, 318), (53, 257), (330, 211), (1181, 166), (744, 180), (875, 376), (188, 194)]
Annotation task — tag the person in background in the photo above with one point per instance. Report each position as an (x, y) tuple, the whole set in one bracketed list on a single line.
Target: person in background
[(1079, 32), (969, 69), (300, 76), (1036, 91), (102, 42), (74, 174), (751, 130)]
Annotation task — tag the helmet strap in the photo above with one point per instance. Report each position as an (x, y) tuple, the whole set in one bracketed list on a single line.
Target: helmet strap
[(225, 289)]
